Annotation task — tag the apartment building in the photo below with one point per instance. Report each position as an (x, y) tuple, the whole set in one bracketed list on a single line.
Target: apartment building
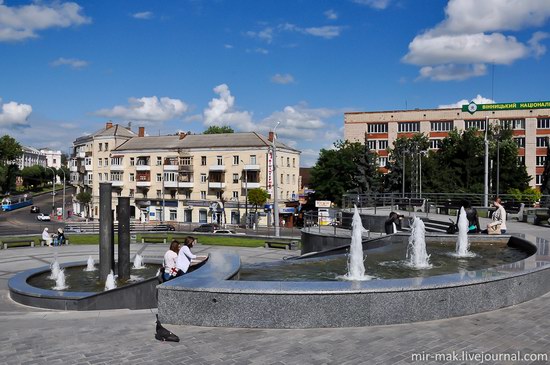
[(529, 121), (31, 157), (195, 178)]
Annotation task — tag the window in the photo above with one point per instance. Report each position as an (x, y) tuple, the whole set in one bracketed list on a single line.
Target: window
[(203, 178), (88, 161), (477, 124), (293, 162), (173, 215), (521, 160), (288, 162), (203, 160), (159, 177), (404, 127), (235, 178), (219, 160), (203, 214), (236, 160), (116, 176), (253, 160), (371, 145), (288, 178), (100, 176), (382, 161), (106, 176), (377, 128), (186, 161), (132, 161), (541, 160), (383, 144), (188, 215), (159, 194), (236, 194), (99, 162), (172, 194), (219, 195), (512, 123), (117, 161), (106, 160), (106, 146), (543, 123), (282, 161), (282, 181), (132, 176), (170, 176), (542, 141), (100, 146), (293, 179), (444, 126), (159, 161), (187, 194), (132, 193), (539, 180), (435, 143), (520, 141)]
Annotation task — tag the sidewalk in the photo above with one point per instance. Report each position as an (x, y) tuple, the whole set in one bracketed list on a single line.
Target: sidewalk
[(37, 336)]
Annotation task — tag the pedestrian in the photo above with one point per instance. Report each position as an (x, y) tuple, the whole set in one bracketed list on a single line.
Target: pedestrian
[(46, 237), (185, 256), (390, 226), (60, 236), (170, 261), (471, 216), (498, 224)]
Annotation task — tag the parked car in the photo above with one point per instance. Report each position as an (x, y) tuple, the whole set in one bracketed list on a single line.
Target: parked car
[(163, 227), (75, 229), (207, 227), (43, 217), (224, 231), (35, 209)]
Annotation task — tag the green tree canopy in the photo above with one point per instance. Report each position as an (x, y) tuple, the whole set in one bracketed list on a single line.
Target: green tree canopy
[(215, 129), (10, 149), (257, 197)]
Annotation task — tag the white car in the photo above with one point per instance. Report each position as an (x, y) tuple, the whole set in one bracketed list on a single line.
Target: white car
[(43, 217), (225, 231)]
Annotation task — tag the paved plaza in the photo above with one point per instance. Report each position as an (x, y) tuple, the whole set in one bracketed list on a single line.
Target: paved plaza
[(39, 336)]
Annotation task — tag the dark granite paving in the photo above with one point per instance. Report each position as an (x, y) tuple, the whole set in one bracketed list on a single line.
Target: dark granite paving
[(36, 336)]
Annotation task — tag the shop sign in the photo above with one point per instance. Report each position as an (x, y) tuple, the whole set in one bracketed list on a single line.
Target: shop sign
[(473, 107)]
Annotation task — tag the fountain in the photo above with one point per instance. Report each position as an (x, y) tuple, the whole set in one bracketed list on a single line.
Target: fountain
[(356, 265), (138, 262), (110, 283), (416, 250), (54, 269), (462, 242), (90, 265), (60, 280)]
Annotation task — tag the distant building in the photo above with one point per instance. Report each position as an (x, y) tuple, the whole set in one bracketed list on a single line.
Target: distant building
[(53, 158), (30, 157)]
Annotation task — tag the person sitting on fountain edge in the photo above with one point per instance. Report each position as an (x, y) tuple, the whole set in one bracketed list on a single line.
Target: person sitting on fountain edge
[(471, 216), (170, 261), (390, 226), (498, 217), (185, 256)]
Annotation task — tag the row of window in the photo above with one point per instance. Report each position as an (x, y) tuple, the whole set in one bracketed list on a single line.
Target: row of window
[(173, 177)]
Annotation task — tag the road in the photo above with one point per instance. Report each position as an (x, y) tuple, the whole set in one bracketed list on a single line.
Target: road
[(21, 221)]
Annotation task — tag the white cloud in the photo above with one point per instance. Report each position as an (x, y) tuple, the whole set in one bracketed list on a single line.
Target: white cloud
[(268, 34), (147, 109), (22, 22), (451, 71), (143, 15), (13, 114), (478, 100), (228, 46), (221, 111), (471, 36), (327, 32), (331, 14), (376, 4), (71, 62), (282, 79)]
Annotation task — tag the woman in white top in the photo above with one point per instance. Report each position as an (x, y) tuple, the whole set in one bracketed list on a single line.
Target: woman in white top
[(170, 260), (499, 216), (185, 256), (46, 237)]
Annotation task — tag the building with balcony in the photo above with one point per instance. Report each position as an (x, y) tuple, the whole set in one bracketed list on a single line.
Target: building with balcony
[(196, 178), (529, 121)]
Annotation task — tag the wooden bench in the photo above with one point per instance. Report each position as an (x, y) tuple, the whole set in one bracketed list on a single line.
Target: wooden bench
[(43, 243), (154, 239), (448, 205), (16, 242), (287, 245), (407, 203)]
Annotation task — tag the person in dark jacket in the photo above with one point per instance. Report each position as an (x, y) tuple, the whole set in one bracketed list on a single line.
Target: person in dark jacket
[(391, 224), (471, 216)]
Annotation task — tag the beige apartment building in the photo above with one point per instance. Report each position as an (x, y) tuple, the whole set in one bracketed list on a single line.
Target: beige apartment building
[(529, 121), (190, 178)]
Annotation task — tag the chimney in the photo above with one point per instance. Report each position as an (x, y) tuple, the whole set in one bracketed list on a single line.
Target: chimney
[(182, 135), (108, 125), (141, 132), (271, 135)]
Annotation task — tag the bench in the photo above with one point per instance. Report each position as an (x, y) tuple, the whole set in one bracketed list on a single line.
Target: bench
[(514, 210), (287, 245), (406, 203), (448, 205), (17, 242), (43, 243), (154, 239)]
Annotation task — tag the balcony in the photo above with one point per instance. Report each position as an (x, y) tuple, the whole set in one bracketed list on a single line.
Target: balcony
[(186, 184), (89, 167), (73, 168), (216, 168), (216, 185), (143, 168), (117, 168), (88, 182), (185, 168), (251, 185), (143, 184), (252, 167), (117, 184), (81, 154), (171, 167), (170, 184)]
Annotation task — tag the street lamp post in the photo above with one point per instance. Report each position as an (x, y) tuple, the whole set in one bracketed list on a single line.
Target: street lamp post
[(403, 194), (486, 186), (275, 187), (53, 190), (246, 196), (63, 209)]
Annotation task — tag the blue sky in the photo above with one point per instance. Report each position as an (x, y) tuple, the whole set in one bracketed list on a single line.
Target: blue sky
[(67, 67)]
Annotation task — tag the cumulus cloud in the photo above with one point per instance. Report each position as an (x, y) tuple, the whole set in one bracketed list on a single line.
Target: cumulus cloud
[(327, 32), (143, 15), (221, 111), (13, 114), (268, 34), (146, 109), (478, 100), (282, 79), (18, 23), (331, 14), (376, 4), (471, 36), (71, 62)]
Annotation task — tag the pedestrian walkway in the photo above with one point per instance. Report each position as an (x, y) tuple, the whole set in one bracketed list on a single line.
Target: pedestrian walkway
[(39, 336)]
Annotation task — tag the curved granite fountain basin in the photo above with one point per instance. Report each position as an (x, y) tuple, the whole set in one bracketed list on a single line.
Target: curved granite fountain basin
[(138, 295), (211, 296)]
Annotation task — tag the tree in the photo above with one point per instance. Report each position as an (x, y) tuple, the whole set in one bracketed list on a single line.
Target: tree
[(545, 184), (84, 198), (257, 197), (32, 176), (347, 167), (406, 150), (10, 150), (215, 129), (511, 173)]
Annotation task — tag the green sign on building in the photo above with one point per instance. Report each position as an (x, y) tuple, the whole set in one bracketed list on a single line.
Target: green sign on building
[(473, 107)]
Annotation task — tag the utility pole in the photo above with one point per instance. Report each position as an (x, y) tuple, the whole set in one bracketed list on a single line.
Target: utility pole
[(275, 187)]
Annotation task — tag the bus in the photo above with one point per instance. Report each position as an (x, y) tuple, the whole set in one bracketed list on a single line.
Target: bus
[(16, 202)]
